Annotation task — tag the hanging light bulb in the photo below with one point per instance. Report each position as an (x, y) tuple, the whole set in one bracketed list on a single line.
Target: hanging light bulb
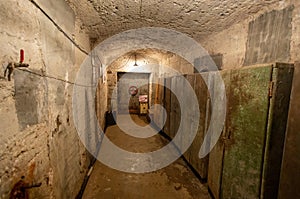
[(135, 64)]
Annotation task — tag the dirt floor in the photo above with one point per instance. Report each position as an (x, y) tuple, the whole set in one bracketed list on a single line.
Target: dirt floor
[(174, 181)]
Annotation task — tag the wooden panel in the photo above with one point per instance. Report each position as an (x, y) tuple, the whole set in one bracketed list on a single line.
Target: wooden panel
[(167, 105), (161, 101), (189, 113), (159, 98), (180, 111), (175, 109), (173, 113), (216, 155), (200, 165), (248, 107)]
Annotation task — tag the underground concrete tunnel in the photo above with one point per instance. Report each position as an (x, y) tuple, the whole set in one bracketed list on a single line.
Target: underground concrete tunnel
[(197, 99)]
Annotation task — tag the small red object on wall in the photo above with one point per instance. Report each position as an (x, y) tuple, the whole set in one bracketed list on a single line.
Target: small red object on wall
[(21, 56), (143, 98)]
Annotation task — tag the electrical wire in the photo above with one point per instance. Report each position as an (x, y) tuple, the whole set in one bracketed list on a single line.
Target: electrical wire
[(55, 78), (59, 28), (70, 39), (130, 58)]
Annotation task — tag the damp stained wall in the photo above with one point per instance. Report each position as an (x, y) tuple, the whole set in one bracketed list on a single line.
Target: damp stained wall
[(37, 137)]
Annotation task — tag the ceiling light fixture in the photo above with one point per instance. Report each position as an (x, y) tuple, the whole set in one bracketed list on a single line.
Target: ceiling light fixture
[(141, 7), (135, 64)]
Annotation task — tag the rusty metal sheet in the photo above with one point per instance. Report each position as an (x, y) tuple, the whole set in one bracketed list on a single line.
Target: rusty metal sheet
[(245, 129), (254, 125)]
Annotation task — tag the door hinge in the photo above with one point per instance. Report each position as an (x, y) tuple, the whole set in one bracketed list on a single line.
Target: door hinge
[(271, 87)]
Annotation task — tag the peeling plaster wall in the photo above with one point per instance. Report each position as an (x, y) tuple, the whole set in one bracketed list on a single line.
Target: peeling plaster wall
[(232, 43), (37, 137)]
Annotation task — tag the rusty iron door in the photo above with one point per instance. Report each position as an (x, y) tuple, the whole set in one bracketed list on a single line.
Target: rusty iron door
[(245, 131), (246, 161), (126, 102)]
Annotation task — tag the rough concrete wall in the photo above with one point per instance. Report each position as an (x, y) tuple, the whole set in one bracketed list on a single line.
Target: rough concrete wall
[(38, 138), (232, 43), (175, 62)]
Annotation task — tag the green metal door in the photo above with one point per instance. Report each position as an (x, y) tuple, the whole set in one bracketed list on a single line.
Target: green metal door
[(245, 132), (246, 161)]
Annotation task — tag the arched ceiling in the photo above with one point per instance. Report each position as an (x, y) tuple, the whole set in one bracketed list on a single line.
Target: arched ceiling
[(197, 18), (144, 57)]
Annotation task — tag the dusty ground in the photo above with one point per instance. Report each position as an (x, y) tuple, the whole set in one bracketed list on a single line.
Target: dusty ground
[(174, 181)]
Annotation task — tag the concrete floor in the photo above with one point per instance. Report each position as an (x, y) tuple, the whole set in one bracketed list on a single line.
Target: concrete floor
[(174, 181)]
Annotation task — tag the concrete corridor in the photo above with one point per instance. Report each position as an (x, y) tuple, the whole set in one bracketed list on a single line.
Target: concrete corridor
[(173, 181)]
